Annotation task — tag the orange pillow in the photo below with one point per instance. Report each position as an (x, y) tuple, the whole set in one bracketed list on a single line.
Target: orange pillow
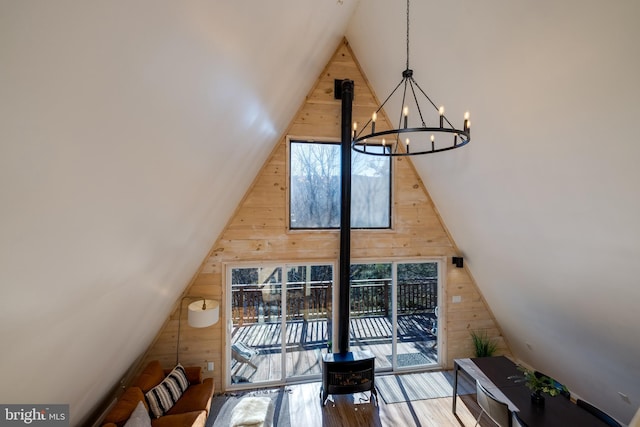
[(151, 376), (125, 406)]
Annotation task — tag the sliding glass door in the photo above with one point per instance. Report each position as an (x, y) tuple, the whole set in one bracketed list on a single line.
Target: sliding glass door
[(277, 331), (281, 318), (394, 313)]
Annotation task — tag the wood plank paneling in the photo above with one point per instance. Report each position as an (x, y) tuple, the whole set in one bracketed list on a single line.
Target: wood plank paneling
[(258, 232)]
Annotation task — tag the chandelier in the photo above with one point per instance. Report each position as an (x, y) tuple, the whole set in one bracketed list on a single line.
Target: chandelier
[(412, 136)]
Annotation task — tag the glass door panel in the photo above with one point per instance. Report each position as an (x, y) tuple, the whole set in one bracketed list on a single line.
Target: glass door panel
[(256, 330), (371, 321), (416, 319), (308, 318)]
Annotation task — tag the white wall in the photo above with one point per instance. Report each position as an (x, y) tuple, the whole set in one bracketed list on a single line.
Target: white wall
[(129, 131), (543, 201)]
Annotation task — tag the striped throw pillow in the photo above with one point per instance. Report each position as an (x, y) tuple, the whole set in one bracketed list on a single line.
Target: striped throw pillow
[(163, 396)]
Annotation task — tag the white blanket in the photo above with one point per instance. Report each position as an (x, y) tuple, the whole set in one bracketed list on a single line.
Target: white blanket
[(250, 412)]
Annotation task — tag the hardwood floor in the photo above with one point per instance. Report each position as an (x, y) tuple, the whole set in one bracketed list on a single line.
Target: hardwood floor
[(356, 411)]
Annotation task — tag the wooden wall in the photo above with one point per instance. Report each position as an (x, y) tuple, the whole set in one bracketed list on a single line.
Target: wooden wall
[(258, 232)]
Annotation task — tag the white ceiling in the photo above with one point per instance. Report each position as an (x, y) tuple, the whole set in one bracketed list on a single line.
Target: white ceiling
[(123, 125)]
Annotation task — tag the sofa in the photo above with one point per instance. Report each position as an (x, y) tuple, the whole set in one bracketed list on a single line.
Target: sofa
[(190, 409)]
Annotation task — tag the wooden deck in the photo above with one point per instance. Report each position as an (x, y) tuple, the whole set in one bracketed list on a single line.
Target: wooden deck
[(306, 342)]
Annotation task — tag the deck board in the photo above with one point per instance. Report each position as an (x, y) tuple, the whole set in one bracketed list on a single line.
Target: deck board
[(306, 342)]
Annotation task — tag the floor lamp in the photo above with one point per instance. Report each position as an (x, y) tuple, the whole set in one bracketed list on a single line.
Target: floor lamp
[(202, 313)]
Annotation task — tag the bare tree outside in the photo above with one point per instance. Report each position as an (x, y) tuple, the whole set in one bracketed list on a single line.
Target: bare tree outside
[(370, 191), (315, 187)]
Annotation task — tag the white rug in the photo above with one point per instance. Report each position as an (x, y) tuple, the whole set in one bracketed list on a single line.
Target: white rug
[(250, 412), (422, 386), (223, 406)]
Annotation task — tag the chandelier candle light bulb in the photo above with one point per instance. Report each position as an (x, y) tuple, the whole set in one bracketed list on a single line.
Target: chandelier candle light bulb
[(441, 112), (405, 113), (374, 117)]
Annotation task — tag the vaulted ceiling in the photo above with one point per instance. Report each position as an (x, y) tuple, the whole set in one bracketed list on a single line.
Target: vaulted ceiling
[(129, 131)]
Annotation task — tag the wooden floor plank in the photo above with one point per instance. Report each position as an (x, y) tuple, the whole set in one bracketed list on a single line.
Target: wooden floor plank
[(356, 411)]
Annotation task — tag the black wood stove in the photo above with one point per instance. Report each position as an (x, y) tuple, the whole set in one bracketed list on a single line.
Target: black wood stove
[(347, 373)]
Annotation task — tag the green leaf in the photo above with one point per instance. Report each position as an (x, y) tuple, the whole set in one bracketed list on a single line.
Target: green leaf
[(483, 345)]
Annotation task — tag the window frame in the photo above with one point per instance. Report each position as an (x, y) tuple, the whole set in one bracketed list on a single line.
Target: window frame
[(336, 142)]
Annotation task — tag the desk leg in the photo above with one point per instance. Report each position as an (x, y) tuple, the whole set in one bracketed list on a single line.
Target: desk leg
[(323, 396), (456, 368)]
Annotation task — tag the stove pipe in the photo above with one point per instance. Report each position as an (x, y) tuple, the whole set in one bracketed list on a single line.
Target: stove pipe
[(346, 95)]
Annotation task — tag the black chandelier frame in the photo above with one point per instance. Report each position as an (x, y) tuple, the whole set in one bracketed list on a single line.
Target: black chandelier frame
[(367, 137)]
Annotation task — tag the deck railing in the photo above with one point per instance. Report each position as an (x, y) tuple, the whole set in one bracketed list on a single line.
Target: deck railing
[(254, 303)]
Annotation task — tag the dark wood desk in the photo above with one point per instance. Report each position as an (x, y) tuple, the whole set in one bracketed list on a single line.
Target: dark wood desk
[(494, 373)]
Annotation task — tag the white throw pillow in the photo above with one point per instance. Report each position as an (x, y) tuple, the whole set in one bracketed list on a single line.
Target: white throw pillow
[(139, 417)]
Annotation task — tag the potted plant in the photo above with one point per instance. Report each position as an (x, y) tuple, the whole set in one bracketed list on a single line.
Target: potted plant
[(483, 345), (539, 384)]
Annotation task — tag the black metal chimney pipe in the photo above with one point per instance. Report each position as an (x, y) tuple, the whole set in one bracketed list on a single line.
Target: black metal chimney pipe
[(344, 306)]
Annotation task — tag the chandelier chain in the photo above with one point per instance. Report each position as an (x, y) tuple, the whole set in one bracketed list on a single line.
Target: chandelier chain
[(407, 34)]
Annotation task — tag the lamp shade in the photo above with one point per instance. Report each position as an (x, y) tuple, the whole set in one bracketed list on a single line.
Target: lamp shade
[(203, 313)]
